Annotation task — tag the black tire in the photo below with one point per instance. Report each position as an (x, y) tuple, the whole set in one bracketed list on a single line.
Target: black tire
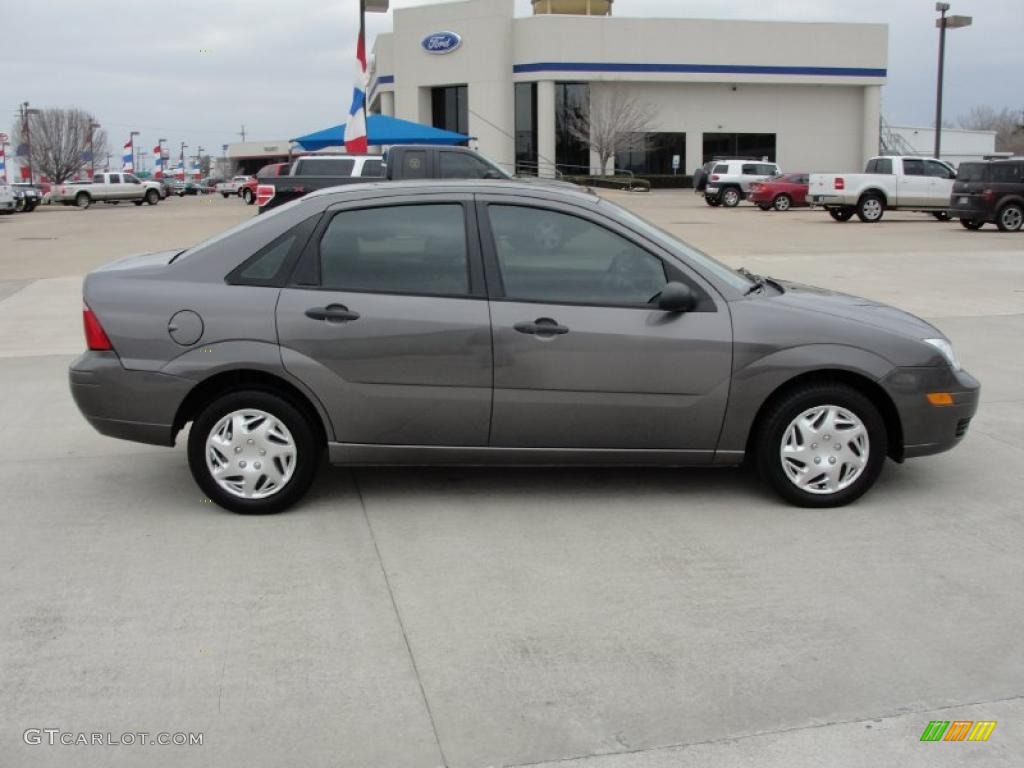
[(871, 208), (138, 202), (941, 215), (152, 197), (1010, 217), (764, 206), (308, 446), (714, 202), (782, 202), (225, 195), (29, 207), (248, 196), (730, 196), (776, 421), (972, 224), (841, 214), (82, 200)]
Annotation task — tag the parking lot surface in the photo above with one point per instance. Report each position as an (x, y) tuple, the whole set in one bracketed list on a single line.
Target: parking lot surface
[(471, 617)]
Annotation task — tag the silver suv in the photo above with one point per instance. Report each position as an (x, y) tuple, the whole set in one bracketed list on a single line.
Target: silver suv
[(729, 180), (435, 322)]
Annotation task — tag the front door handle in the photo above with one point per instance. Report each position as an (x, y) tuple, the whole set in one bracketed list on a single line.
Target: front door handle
[(542, 326), (332, 313)]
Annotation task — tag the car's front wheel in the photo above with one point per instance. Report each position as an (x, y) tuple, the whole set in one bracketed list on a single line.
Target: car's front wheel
[(253, 452), (248, 196), (821, 445)]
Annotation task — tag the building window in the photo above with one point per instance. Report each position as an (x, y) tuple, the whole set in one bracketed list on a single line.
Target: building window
[(526, 128), (652, 153), (758, 146), (450, 107), (572, 108)]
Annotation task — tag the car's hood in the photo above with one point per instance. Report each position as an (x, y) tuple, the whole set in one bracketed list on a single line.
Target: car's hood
[(855, 309)]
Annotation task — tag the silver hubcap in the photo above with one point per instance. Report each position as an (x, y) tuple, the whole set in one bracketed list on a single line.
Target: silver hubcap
[(824, 449), (250, 454), (1012, 218), (731, 197), (872, 209), (782, 203)]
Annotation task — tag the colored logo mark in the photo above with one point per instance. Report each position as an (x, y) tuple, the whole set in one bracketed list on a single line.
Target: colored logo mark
[(958, 730)]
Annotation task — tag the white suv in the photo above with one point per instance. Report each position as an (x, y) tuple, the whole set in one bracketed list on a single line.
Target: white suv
[(729, 180)]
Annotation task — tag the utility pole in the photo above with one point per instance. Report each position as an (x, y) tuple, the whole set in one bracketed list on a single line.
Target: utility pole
[(93, 125), (25, 114)]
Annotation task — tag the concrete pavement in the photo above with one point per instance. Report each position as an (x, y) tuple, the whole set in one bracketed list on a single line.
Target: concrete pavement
[(600, 619)]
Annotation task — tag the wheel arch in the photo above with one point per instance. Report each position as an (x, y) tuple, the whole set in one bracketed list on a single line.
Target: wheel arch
[(863, 384), (235, 380), (876, 192)]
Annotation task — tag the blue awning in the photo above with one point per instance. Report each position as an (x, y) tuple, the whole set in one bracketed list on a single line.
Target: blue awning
[(382, 130)]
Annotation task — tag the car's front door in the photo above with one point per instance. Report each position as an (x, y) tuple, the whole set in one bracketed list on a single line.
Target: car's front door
[(582, 358), (940, 183), (386, 320)]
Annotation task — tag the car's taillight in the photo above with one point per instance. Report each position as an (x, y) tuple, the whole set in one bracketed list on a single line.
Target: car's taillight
[(714, 177), (840, 182), (95, 337), (264, 194)]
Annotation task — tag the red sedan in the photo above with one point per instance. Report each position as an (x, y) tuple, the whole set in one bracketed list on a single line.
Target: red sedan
[(780, 193)]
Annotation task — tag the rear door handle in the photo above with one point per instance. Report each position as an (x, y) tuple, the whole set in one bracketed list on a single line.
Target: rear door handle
[(332, 313), (542, 326)]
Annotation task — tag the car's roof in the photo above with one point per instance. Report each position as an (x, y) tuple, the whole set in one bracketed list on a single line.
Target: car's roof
[(467, 186)]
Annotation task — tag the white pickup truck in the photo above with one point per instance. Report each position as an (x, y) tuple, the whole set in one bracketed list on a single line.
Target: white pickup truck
[(106, 188), (888, 183)]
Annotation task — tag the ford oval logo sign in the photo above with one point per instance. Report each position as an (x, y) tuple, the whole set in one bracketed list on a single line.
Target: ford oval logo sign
[(441, 42)]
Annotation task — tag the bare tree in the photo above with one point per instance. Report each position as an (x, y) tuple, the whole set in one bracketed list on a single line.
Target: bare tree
[(60, 142), (616, 122), (1007, 123)]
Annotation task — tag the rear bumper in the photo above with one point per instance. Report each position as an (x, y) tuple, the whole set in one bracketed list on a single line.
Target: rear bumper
[(130, 405), (828, 201), (970, 209), (929, 429)]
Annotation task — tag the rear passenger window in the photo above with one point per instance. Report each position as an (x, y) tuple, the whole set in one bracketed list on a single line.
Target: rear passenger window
[(373, 168), (913, 168), (411, 249), (115, 178)]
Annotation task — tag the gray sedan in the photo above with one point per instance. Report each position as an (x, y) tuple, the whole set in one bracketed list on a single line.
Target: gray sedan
[(494, 322)]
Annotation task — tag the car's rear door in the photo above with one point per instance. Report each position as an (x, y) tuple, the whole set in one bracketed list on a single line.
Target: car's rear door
[(582, 359), (914, 188), (386, 320)]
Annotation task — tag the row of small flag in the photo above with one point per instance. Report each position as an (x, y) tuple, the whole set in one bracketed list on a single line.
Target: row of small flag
[(159, 161)]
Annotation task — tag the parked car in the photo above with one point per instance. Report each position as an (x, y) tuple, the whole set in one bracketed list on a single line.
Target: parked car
[(248, 190), (232, 187), (412, 323), (311, 172), (106, 188), (888, 183), (180, 187), (31, 195), (989, 192), (730, 180), (780, 193), (8, 202)]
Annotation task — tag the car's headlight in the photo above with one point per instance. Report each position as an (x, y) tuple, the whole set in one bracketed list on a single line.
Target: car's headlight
[(947, 351)]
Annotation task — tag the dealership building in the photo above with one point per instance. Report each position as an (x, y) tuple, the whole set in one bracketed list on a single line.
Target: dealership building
[(806, 95)]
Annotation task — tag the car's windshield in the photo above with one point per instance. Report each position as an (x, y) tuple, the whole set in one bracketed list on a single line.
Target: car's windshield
[(700, 259), (971, 172)]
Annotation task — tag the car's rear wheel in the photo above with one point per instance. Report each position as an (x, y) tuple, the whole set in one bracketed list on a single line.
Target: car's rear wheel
[(841, 214), (870, 209), (730, 197), (1010, 218), (714, 202), (782, 202), (82, 200), (972, 224), (821, 445), (253, 452)]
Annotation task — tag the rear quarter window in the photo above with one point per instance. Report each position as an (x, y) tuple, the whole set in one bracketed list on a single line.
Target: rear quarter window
[(1007, 173), (971, 172)]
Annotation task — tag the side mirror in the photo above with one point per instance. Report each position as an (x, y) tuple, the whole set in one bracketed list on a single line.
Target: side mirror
[(676, 297)]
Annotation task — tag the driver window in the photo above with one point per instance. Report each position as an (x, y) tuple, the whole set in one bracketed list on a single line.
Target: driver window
[(546, 256)]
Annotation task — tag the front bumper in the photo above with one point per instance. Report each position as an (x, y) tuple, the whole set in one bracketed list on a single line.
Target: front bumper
[(927, 428), (130, 405)]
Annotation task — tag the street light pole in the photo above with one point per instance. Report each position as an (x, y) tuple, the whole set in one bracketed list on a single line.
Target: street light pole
[(943, 23), (93, 125), (160, 151)]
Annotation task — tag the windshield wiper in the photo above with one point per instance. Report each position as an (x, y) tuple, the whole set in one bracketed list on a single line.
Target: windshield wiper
[(758, 281)]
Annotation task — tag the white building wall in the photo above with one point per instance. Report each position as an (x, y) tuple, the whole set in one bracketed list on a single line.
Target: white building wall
[(957, 146)]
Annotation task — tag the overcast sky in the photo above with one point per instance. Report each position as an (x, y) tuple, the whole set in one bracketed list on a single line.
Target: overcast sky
[(284, 67)]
